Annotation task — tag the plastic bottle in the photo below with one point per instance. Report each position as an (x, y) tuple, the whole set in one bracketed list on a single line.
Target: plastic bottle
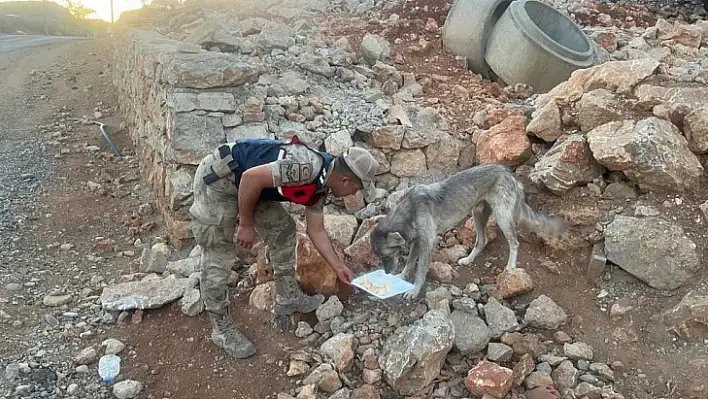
[(109, 367)]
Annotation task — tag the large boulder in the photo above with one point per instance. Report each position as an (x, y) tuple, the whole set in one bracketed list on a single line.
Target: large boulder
[(651, 152), (413, 357), (653, 250), (505, 143)]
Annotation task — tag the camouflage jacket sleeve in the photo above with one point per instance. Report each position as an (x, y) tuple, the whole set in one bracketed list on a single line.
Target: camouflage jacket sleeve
[(300, 166)]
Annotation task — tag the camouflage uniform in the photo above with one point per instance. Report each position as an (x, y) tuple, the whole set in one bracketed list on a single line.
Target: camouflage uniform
[(214, 220)]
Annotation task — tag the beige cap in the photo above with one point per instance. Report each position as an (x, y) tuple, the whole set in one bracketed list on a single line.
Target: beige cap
[(364, 166)]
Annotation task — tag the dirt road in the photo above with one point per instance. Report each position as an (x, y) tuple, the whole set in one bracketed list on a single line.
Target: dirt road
[(13, 43)]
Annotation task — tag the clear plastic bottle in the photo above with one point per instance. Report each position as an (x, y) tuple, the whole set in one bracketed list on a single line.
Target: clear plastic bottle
[(109, 367)]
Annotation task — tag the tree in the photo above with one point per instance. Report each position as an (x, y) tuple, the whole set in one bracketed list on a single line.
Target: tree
[(78, 10)]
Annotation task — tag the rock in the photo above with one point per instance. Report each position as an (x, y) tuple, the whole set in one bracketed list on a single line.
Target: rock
[(596, 108), (689, 318), (338, 143), (433, 298), (544, 313), (488, 378), (340, 348), (371, 376), (263, 296), (499, 318), (408, 163), (621, 308), (297, 368), (145, 294), (308, 392), (471, 332), (565, 376), (522, 369), (567, 164), (538, 379), (290, 83), (505, 143), (375, 48), (616, 76), (562, 337), (343, 393), (360, 251), (57, 300), (414, 356), (497, 352), (316, 65), (529, 343), (341, 228), (86, 356), (685, 34), (695, 126), (325, 378), (514, 282), (184, 267), (603, 370), (652, 153), (191, 303), (578, 350), (113, 346), (13, 287), (366, 392), (127, 389), (653, 250), (387, 137), (466, 305), (443, 154), (303, 329), (426, 127), (442, 272), (314, 274), (546, 123), (329, 309), (12, 372), (587, 391)]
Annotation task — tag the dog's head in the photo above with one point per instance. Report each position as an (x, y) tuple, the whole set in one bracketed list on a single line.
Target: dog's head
[(387, 246)]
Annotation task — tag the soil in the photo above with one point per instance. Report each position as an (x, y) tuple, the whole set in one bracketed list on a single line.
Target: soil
[(172, 354)]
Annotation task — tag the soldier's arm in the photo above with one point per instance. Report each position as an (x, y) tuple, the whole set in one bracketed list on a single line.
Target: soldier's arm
[(314, 217), (252, 182)]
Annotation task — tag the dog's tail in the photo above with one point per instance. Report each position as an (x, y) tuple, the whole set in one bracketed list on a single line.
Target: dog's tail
[(536, 221)]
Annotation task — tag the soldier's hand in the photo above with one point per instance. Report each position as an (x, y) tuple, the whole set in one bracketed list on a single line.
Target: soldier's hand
[(345, 274), (245, 235)]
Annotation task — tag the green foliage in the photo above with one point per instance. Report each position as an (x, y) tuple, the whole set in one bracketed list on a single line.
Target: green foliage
[(78, 10)]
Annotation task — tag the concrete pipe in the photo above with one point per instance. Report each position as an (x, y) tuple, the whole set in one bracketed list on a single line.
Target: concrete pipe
[(467, 28), (536, 44)]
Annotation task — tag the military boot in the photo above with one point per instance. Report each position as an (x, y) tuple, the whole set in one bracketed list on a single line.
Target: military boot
[(226, 336), (289, 298)]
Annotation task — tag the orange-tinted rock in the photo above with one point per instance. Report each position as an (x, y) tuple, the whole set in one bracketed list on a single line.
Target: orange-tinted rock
[(505, 143), (487, 378), (514, 282)]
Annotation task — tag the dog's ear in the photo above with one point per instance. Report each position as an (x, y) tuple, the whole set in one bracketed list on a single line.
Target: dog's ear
[(395, 239)]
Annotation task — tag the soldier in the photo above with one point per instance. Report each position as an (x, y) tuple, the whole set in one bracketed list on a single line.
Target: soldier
[(245, 181)]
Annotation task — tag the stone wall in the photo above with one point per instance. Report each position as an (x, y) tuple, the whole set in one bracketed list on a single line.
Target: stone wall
[(180, 103), (218, 80)]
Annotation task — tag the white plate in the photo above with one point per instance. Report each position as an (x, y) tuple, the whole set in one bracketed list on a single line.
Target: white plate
[(382, 285)]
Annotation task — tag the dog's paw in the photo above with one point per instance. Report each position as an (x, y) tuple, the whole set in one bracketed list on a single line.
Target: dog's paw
[(412, 294), (466, 261)]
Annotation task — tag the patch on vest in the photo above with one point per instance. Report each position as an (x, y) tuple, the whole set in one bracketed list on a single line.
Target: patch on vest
[(295, 172)]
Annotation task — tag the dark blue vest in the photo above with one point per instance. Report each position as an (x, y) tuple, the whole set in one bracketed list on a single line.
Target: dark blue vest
[(249, 153)]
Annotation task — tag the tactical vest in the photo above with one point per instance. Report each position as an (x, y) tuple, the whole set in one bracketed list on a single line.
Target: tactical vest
[(232, 160)]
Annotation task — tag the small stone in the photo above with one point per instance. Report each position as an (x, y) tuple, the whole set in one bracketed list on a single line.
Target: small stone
[(488, 378), (340, 348), (57, 300), (12, 371), (303, 329), (13, 287), (562, 337), (371, 376), (511, 283), (113, 346), (497, 352), (72, 389), (499, 318), (578, 350), (538, 379), (127, 389), (565, 375), (330, 309), (544, 313), (297, 368), (86, 356)]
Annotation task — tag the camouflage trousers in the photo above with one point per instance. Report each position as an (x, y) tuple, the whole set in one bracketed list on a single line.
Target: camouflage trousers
[(214, 221)]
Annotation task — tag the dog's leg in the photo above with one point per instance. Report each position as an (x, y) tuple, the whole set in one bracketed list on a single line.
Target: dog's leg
[(505, 221), (481, 217), (426, 242), (410, 262)]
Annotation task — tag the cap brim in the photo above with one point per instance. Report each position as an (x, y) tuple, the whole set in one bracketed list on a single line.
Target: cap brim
[(369, 190)]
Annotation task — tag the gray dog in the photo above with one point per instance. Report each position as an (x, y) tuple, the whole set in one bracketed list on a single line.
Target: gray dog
[(427, 210)]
